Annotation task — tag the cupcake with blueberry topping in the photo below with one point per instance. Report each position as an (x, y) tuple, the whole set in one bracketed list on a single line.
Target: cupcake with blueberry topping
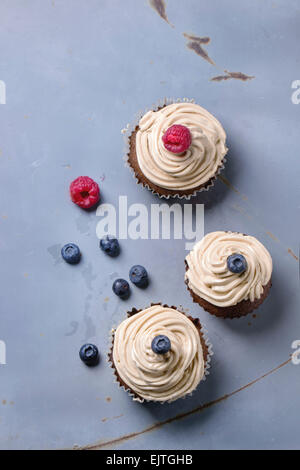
[(159, 354), (177, 149), (228, 273)]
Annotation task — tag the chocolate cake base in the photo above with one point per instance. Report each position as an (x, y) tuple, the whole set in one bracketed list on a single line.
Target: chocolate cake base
[(134, 311), (141, 178), (234, 311)]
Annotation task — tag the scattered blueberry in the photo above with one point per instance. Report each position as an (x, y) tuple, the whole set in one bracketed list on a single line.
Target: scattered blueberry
[(89, 354), (71, 253), (161, 344), (138, 275), (110, 245), (121, 288), (237, 263)]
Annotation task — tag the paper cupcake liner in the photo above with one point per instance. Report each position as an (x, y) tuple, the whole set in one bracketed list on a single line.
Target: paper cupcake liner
[(127, 131), (206, 349)]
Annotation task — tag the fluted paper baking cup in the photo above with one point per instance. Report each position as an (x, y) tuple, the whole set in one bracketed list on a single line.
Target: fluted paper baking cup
[(131, 127), (206, 347)]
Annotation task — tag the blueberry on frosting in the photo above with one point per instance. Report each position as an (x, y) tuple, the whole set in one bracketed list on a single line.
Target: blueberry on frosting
[(161, 344), (237, 263)]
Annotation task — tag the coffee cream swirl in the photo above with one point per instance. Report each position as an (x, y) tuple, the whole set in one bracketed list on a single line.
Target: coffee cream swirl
[(158, 377), (208, 275), (198, 164)]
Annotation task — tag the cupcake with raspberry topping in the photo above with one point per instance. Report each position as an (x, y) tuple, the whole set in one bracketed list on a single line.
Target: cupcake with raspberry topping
[(229, 273), (159, 354), (176, 149)]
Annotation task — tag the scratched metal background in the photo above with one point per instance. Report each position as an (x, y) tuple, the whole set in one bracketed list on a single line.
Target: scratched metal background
[(76, 72)]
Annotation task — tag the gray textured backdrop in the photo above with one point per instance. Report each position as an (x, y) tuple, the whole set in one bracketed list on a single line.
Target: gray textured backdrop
[(76, 72)]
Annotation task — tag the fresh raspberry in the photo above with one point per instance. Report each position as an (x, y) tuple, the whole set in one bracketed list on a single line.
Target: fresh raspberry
[(84, 192), (177, 138)]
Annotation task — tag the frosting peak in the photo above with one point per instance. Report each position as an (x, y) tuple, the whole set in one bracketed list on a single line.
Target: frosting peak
[(199, 163), (208, 274), (158, 377)]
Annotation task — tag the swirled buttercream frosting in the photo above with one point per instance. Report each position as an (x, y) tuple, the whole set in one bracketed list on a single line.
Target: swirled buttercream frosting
[(158, 377), (193, 168), (208, 275)]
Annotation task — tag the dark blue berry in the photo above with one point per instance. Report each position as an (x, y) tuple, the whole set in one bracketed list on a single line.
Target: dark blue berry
[(110, 245), (237, 263), (71, 253), (138, 275), (161, 344), (121, 288), (89, 354)]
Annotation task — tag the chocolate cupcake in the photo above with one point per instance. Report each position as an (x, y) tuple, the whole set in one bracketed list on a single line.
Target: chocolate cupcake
[(159, 354), (228, 273), (176, 149)]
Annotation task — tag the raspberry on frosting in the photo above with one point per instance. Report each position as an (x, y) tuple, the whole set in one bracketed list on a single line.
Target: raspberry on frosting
[(84, 192), (177, 139)]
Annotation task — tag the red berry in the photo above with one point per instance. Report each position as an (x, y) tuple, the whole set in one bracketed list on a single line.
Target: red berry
[(84, 192), (177, 138)]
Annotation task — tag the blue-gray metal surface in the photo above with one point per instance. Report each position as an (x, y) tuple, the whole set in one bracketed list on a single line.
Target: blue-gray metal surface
[(76, 72)]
